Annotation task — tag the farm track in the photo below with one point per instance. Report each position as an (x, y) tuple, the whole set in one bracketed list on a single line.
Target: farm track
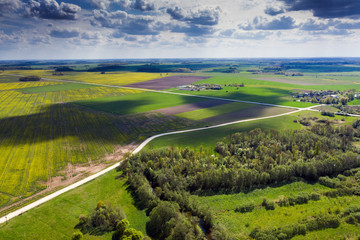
[(143, 144)]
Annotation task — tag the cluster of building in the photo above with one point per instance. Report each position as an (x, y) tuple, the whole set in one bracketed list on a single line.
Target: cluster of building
[(200, 87)]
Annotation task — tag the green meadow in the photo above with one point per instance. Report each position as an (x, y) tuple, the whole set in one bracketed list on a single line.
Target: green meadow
[(57, 218), (137, 103)]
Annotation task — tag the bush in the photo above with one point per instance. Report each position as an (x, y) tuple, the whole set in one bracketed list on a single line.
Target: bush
[(326, 113), (104, 218), (268, 204), (247, 207), (30, 78), (77, 236), (315, 196)]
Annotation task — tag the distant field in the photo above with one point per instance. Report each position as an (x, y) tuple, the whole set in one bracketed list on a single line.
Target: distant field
[(112, 78), (243, 223), (57, 218), (167, 82), (138, 103), (20, 85), (57, 87)]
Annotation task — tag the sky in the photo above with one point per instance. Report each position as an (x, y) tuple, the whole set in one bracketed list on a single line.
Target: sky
[(116, 29)]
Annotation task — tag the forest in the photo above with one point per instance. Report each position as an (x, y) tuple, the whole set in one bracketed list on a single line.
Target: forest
[(163, 181)]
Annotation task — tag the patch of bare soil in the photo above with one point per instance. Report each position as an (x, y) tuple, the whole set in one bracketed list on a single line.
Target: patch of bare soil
[(74, 173), (167, 82), (287, 81), (191, 107)]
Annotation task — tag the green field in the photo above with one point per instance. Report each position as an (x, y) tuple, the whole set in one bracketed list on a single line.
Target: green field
[(206, 139), (138, 103), (57, 218), (242, 224)]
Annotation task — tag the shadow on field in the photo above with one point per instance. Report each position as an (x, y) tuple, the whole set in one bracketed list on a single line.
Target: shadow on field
[(258, 96), (63, 120)]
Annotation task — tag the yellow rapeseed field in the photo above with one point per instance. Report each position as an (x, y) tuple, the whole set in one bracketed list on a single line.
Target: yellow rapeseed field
[(110, 78)]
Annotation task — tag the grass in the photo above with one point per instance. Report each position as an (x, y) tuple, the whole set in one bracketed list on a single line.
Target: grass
[(206, 139), (57, 218), (243, 223), (138, 103), (354, 102), (214, 111), (57, 87)]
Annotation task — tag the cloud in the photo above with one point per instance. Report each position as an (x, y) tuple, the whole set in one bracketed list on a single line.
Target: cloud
[(192, 30), (125, 23), (348, 25), (64, 33), (311, 25), (50, 9), (142, 5), (259, 23), (339, 32), (208, 16), (90, 36), (273, 11), (252, 35), (7, 6), (326, 8)]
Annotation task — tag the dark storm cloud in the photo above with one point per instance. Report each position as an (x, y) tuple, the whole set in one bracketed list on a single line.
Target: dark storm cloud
[(311, 25), (283, 23), (326, 8), (193, 30), (125, 23), (50, 9), (209, 16), (64, 33), (8, 6), (273, 11)]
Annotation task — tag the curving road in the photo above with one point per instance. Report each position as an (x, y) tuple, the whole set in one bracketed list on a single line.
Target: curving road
[(143, 144)]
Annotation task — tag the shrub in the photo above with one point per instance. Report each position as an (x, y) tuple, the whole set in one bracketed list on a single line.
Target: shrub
[(103, 218), (268, 204), (247, 207), (77, 236), (315, 196), (326, 113), (30, 78)]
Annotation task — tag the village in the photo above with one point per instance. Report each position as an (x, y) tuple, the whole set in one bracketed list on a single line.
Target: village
[(326, 96)]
